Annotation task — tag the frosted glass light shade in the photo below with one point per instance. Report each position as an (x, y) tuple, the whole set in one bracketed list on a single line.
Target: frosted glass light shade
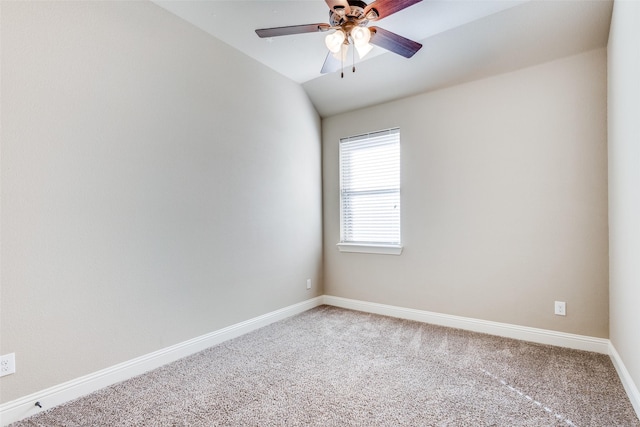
[(361, 36), (335, 40)]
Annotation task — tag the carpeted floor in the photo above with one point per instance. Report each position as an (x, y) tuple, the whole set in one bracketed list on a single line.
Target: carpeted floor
[(335, 367)]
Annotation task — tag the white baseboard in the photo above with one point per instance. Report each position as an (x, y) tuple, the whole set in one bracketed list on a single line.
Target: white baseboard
[(628, 383), (24, 407), (524, 333), (62, 393), (541, 336)]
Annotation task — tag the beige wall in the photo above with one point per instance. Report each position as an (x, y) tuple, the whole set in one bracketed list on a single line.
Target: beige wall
[(153, 191), (154, 187), (504, 200), (624, 184)]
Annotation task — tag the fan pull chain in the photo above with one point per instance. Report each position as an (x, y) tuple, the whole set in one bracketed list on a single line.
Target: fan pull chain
[(353, 58), (341, 64)]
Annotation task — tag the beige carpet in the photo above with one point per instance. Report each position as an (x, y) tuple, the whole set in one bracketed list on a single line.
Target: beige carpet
[(335, 367)]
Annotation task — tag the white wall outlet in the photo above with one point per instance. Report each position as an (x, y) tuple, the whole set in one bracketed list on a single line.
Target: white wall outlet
[(308, 283), (7, 364), (561, 308)]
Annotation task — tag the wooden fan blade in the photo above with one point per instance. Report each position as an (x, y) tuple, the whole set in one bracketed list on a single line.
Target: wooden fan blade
[(331, 64), (384, 8), (292, 29), (339, 6), (393, 42)]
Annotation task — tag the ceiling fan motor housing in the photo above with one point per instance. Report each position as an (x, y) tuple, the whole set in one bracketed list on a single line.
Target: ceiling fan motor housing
[(356, 14)]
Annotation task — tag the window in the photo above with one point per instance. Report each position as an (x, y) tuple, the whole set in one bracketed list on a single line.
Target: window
[(370, 193)]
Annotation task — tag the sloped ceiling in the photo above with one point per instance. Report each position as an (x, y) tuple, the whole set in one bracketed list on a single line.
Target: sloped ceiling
[(463, 40)]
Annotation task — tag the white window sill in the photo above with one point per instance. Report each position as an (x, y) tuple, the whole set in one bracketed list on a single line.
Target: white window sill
[(370, 249)]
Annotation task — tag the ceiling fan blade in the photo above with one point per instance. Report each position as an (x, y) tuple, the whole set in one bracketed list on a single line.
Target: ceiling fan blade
[(331, 64), (393, 42), (292, 29), (384, 8), (341, 7)]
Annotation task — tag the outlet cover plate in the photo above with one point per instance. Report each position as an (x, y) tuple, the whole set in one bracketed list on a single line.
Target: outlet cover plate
[(7, 364), (560, 308)]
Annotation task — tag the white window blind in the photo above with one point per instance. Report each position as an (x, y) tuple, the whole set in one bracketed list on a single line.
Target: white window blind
[(370, 188)]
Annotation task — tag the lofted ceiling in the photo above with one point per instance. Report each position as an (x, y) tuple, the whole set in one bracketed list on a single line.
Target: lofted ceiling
[(463, 40)]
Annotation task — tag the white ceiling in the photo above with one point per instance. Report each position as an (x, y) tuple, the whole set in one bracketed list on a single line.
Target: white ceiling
[(463, 40)]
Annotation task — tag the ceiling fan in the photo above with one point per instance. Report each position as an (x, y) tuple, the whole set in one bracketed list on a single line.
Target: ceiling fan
[(350, 19)]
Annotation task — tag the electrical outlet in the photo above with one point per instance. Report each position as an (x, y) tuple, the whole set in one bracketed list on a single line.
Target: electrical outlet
[(8, 364), (308, 283), (561, 308)]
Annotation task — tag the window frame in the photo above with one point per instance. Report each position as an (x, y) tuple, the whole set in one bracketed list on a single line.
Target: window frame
[(369, 247)]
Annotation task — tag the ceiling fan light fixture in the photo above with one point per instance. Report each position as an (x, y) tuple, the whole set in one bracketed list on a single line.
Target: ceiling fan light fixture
[(360, 35), (335, 40)]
